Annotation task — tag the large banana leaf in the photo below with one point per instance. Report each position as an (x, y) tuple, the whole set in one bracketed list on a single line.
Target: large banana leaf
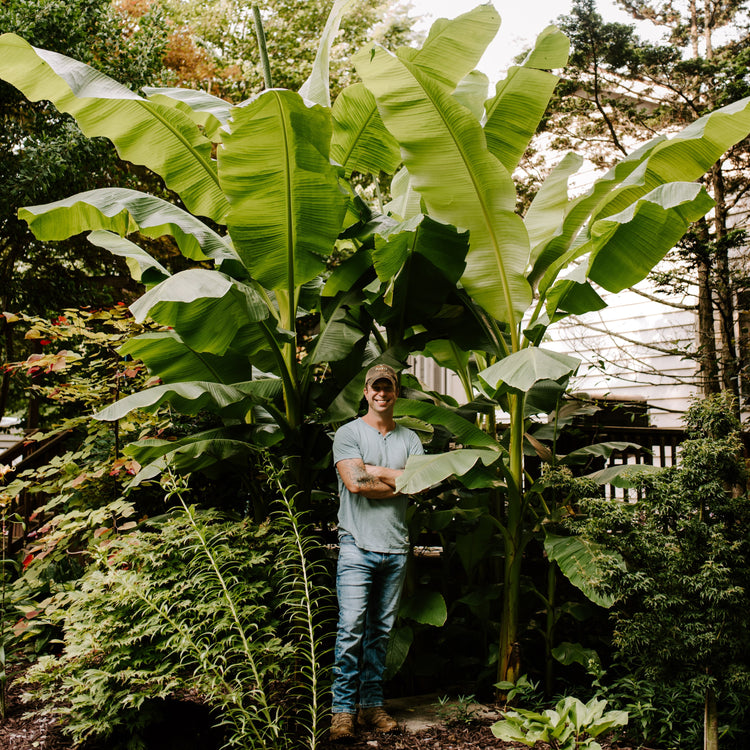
[(422, 472), (420, 261), (340, 332), (405, 201), (583, 563), (551, 204), (454, 47), (360, 141), (316, 88), (142, 266), (168, 357), (558, 242), (124, 211), (465, 432), (189, 398), (286, 204), (206, 110), (460, 181), (208, 310), (521, 98), (199, 455), (626, 246), (161, 138), (685, 156)]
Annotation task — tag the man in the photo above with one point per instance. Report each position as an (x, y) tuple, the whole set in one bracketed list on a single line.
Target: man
[(369, 454)]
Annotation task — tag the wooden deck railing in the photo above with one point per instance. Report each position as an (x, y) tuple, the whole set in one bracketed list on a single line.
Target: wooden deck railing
[(25, 454)]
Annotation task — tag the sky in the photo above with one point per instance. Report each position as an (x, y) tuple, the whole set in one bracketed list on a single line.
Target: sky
[(522, 21)]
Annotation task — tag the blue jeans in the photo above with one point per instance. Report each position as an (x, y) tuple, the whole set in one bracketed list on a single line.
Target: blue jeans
[(368, 585)]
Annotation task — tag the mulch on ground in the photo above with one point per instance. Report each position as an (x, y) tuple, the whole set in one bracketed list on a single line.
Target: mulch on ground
[(25, 728)]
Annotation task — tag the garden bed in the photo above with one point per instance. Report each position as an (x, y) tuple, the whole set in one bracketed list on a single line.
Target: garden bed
[(21, 731)]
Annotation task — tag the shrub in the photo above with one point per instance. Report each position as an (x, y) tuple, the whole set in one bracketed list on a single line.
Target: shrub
[(192, 607)]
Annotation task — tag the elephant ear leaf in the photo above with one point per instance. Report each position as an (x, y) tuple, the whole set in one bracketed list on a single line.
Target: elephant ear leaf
[(584, 564), (159, 137)]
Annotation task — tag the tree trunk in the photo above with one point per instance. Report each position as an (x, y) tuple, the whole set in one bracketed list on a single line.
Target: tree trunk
[(707, 358), (724, 289), (710, 722)]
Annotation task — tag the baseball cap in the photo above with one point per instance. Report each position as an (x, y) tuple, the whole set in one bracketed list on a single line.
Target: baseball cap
[(380, 372)]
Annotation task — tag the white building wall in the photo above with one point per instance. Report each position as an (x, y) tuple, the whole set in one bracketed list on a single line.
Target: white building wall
[(629, 350)]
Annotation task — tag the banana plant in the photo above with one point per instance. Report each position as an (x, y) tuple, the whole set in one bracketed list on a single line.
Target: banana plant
[(264, 199), (524, 273), (449, 267)]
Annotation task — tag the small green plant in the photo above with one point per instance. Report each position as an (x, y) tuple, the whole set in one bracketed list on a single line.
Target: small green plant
[(524, 689), (461, 710), (572, 724)]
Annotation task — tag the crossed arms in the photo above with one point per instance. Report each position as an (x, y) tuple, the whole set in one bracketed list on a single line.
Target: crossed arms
[(373, 482)]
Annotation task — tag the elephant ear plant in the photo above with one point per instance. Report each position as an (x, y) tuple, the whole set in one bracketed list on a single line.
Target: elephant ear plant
[(448, 267)]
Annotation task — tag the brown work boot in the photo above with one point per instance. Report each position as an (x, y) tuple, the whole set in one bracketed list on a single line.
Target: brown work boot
[(376, 718), (342, 727)]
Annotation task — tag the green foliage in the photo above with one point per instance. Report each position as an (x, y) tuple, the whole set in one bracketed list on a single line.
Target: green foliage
[(570, 725), (461, 710), (681, 610), (194, 603)]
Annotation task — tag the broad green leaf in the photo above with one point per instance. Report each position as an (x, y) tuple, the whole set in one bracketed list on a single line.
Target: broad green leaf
[(447, 354), (548, 253), (551, 204), (550, 51), (316, 88), (189, 398), (626, 246), (581, 563), (425, 607), (422, 472), (204, 109), (168, 357), (685, 156), (399, 644), (466, 433), (199, 455), (360, 140), (421, 261), (603, 450), (608, 721), (161, 138), (460, 181), (471, 92), (286, 205), (574, 653), (142, 266), (124, 211), (623, 475), (406, 202), (521, 370), (454, 47), (339, 334), (521, 99), (208, 310)]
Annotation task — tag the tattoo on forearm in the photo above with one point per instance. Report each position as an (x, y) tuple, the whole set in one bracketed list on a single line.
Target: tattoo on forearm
[(362, 478)]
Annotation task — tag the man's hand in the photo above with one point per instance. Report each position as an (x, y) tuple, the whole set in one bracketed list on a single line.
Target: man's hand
[(373, 482)]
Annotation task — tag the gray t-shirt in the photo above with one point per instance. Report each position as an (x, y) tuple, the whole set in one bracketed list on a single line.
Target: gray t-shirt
[(376, 525)]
